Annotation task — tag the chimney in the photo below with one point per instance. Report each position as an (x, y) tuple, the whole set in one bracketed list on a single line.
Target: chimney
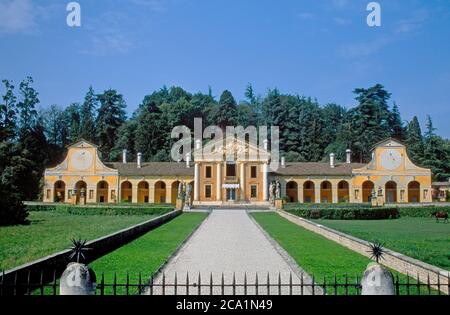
[(283, 162), (188, 160), (349, 156), (124, 156), (332, 164), (139, 160)]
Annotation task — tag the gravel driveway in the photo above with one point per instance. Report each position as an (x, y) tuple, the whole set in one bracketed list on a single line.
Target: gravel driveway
[(229, 242)]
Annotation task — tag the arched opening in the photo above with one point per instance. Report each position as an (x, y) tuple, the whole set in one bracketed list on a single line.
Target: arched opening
[(309, 192), (175, 191), (292, 192), (59, 192), (80, 188), (326, 194), (367, 189), (102, 192), (126, 194), (391, 192), (143, 192), (343, 191), (414, 192), (160, 192)]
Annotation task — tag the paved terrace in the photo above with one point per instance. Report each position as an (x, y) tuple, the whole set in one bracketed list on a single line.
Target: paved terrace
[(228, 242)]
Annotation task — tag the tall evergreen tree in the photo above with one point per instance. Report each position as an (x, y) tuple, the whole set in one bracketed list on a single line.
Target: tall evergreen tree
[(396, 124), (87, 116), (369, 120), (111, 115), (436, 155), (27, 105), (54, 125), (8, 112), (72, 121), (225, 113), (150, 138), (414, 140)]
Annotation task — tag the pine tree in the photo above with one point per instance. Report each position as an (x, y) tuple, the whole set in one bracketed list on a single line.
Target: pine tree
[(149, 135), (27, 105), (72, 121), (87, 116), (225, 113), (8, 112), (111, 116), (414, 140), (395, 123), (436, 154), (369, 120)]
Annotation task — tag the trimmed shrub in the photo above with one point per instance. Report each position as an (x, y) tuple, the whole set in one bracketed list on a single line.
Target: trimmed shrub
[(102, 210), (341, 213), (422, 211)]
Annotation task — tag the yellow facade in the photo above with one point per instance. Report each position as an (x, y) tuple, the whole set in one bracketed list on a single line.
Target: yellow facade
[(82, 178)]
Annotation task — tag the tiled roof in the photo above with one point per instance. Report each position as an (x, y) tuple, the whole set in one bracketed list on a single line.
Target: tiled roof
[(317, 169), (153, 169), (180, 169)]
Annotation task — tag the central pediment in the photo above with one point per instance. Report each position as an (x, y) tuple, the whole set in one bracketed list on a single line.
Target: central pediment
[(230, 147)]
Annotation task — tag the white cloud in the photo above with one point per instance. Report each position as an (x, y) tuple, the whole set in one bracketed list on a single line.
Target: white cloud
[(364, 49), (154, 5), (306, 15), (17, 16), (341, 21), (412, 24), (340, 3)]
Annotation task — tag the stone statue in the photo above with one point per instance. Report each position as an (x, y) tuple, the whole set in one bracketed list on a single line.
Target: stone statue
[(188, 194), (271, 192), (380, 191), (278, 190), (180, 190)]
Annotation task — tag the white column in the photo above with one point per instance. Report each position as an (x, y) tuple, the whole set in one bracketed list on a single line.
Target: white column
[(265, 182), (242, 182), (317, 192), (334, 192), (134, 192), (300, 192), (197, 182), (219, 182)]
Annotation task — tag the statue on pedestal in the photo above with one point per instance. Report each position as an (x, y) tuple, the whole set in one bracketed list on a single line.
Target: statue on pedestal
[(277, 190), (188, 197), (272, 193), (180, 190)]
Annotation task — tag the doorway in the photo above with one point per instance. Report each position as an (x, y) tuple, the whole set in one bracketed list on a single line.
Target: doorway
[(231, 194)]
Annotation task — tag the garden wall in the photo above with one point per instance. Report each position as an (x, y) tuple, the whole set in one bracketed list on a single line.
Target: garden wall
[(404, 264), (31, 272)]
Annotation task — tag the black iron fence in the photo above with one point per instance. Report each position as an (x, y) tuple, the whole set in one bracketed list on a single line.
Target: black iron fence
[(249, 285)]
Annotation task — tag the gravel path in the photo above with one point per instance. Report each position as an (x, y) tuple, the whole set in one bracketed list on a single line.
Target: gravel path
[(229, 242)]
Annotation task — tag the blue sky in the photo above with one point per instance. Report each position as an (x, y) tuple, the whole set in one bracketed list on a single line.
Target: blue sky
[(319, 48)]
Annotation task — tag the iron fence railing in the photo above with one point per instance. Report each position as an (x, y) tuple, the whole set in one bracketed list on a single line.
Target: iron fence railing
[(250, 285)]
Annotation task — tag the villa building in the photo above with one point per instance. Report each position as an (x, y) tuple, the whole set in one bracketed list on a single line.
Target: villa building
[(83, 178)]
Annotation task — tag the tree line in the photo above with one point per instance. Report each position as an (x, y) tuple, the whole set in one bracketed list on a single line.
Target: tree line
[(32, 137)]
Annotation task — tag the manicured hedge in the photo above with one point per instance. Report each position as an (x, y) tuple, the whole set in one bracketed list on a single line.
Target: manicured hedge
[(350, 213), (103, 210), (423, 211)]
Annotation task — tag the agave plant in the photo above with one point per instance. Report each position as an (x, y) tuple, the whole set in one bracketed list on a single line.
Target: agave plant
[(77, 250), (377, 251)]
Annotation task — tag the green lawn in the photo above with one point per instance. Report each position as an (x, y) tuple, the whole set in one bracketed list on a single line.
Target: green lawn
[(317, 255), (146, 254), (52, 231), (420, 238)]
